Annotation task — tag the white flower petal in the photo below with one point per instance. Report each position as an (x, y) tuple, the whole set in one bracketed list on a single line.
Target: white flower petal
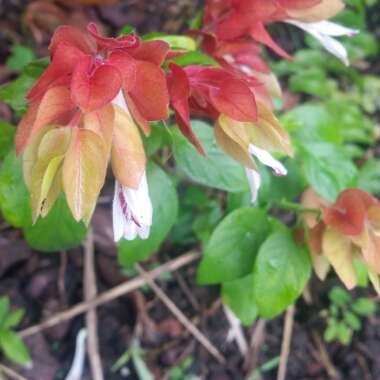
[(132, 211), (325, 27), (254, 181), (139, 202), (323, 31), (267, 159), (117, 215)]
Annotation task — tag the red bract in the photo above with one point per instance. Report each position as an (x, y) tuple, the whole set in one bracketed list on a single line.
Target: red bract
[(95, 68), (209, 92), (241, 18), (242, 58), (349, 213)]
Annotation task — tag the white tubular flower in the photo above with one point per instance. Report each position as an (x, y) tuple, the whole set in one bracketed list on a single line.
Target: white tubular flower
[(324, 31), (254, 181), (267, 159), (132, 211)]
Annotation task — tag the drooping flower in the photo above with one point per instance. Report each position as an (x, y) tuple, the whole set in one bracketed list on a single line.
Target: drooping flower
[(324, 31), (82, 115), (132, 211), (91, 70), (208, 91), (242, 18), (348, 231), (242, 140)]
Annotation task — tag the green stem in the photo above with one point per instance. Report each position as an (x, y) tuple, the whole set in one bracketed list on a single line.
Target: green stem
[(295, 207)]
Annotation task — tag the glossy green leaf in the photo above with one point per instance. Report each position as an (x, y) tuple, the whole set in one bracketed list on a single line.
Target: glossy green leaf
[(233, 246), (14, 348), (280, 273), (165, 209), (327, 169), (215, 169), (57, 231), (239, 296), (369, 177), (14, 197)]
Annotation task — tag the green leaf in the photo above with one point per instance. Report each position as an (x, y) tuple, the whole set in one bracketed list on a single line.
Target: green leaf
[(239, 296), (165, 209), (14, 348), (312, 81), (327, 168), (7, 132), (14, 318), (194, 58), (232, 248), (57, 231), (339, 296), (364, 307), (4, 309), (14, 197), (344, 333), (331, 332), (352, 321), (215, 169), (175, 41), (14, 93), (275, 188), (280, 273), (35, 68), (369, 177), (20, 57)]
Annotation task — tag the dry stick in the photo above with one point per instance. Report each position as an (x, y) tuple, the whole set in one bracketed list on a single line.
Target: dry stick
[(181, 317), (89, 280), (10, 373), (112, 294), (285, 347)]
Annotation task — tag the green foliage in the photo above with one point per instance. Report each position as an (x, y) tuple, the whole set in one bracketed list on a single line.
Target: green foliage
[(13, 192), (20, 57), (232, 248), (327, 169), (216, 169), (165, 209), (281, 271), (240, 297), (55, 232), (344, 315), (7, 132), (194, 58), (10, 343)]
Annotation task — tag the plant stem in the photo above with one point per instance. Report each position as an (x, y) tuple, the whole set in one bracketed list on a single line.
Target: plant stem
[(295, 207)]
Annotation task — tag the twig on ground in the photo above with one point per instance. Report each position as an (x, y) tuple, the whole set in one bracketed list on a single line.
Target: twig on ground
[(89, 281), (257, 339), (182, 318), (10, 373), (286, 341), (111, 294), (236, 332), (185, 288), (324, 356)]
